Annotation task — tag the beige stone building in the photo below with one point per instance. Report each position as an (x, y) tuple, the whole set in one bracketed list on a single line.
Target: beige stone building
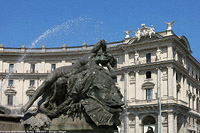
[(157, 75)]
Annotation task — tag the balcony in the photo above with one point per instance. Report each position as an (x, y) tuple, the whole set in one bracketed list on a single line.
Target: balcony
[(30, 71), (143, 102), (10, 71)]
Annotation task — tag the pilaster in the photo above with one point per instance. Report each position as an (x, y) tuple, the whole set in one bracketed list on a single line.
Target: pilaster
[(182, 89), (43, 65), (125, 101), (126, 56), (170, 52), (171, 122), (1, 91), (136, 84), (159, 82), (22, 65), (170, 81), (1, 66), (159, 99), (159, 123), (175, 94), (23, 92), (175, 123), (137, 124)]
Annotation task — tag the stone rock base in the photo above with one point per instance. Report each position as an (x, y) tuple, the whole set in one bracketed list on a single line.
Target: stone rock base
[(79, 125), (64, 123)]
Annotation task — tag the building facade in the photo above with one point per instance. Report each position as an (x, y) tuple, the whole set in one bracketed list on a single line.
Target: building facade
[(156, 73)]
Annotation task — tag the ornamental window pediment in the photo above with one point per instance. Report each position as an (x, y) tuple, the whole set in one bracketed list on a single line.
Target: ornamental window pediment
[(148, 85), (30, 92), (10, 92)]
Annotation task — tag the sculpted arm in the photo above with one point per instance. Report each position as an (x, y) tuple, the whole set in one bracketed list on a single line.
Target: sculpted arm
[(98, 46)]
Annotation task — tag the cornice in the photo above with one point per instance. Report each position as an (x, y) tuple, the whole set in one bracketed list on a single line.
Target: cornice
[(145, 66), (150, 41), (24, 75), (168, 107)]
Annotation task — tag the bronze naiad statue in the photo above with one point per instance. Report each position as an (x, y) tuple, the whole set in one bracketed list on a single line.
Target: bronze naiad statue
[(85, 87)]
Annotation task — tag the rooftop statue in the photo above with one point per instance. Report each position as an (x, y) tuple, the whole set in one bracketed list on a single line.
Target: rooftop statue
[(169, 25), (144, 32), (127, 33), (85, 87)]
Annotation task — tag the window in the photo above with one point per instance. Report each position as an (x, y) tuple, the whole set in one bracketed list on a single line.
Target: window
[(11, 68), (32, 68), (10, 83), (148, 74), (53, 67), (148, 57), (148, 94), (10, 99), (176, 76), (115, 79), (30, 96), (189, 101), (32, 83), (192, 103)]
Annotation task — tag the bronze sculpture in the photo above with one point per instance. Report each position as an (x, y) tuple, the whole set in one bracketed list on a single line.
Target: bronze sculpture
[(85, 86)]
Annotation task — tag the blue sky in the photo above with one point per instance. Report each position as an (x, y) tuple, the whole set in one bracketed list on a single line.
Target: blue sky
[(54, 22)]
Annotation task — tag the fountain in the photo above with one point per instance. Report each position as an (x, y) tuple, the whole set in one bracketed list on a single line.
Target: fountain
[(78, 97), (78, 110)]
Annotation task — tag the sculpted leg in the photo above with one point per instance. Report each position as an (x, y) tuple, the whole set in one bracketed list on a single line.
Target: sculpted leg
[(40, 90)]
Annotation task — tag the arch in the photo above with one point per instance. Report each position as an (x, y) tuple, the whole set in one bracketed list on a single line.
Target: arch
[(185, 42), (148, 120)]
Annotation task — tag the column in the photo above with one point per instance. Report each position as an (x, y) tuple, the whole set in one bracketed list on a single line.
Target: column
[(136, 84), (185, 97), (22, 64), (175, 95), (159, 124), (1, 91), (170, 122), (170, 81), (170, 52), (125, 87), (137, 124), (43, 69), (158, 83), (125, 101), (1, 66), (175, 123), (125, 121), (159, 99), (183, 90), (195, 99), (23, 92)]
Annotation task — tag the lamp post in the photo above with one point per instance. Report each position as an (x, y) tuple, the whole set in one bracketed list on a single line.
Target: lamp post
[(159, 100)]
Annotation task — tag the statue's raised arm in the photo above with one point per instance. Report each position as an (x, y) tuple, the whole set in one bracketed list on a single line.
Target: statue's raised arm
[(98, 46)]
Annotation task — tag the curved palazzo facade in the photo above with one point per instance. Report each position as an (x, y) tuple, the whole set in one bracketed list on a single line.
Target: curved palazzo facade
[(151, 71)]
